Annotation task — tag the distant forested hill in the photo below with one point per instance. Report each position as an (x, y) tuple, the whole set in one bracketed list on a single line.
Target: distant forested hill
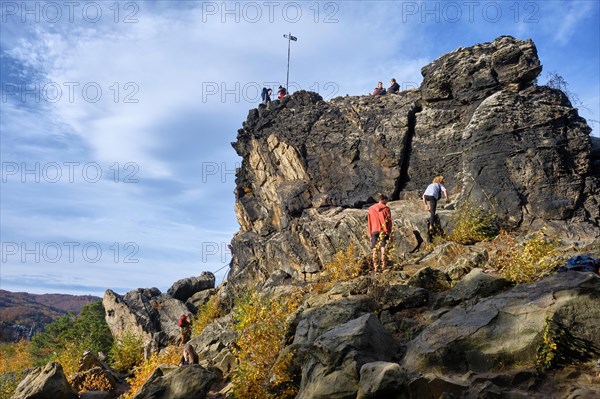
[(21, 314)]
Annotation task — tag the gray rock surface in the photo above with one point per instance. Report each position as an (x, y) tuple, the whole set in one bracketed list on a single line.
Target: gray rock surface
[(48, 382), (213, 345), (310, 168), (145, 312), (381, 380), (185, 288), (332, 363), (172, 382), (506, 329)]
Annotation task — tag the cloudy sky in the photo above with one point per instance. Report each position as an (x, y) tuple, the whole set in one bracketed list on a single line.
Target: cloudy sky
[(117, 117)]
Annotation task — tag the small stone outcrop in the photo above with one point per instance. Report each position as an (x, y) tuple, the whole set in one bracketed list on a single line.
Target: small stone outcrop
[(172, 382), (147, 313), (185, 288), (45, 383), (332, 363)]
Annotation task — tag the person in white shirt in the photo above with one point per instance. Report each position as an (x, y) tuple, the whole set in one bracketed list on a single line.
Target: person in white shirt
[(431, 196)]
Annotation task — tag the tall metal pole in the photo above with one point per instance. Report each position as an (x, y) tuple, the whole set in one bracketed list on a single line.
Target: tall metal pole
[(287, 80)]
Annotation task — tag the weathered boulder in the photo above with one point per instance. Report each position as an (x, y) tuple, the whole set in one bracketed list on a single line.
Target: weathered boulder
[(331, 365), (434, 387), (172, 382), (381, 380), (430, 279), (145, 312), (476, 284), (323, 314), (45, 383), (507, 328), (214, 344), (199, 299), (185, 288)]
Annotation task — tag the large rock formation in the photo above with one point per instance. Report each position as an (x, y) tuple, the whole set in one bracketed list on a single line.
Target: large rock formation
[(310, 167), (147, 313), (152, 315), (45, 382)]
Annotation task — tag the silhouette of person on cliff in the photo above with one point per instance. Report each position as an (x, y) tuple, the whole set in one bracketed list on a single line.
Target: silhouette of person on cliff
[(430, 198), (266, 95), (379, 222), (394, 87)]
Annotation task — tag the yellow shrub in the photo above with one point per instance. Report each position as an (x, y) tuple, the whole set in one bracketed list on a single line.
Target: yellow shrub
[(207, 313), (14, 360), (527, 262), (69, 357), (127, 352), (344, 266), (473, 224), (95, 382), (261, 323), (170, 355), (15, 357)]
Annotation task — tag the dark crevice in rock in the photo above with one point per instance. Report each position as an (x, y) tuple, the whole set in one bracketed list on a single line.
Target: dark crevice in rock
[(404, 177)]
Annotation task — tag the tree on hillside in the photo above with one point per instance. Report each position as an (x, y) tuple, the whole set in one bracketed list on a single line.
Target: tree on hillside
[(89, 330)]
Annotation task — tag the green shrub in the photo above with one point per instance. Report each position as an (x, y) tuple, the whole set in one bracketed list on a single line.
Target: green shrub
[(344, 266), (127, 352), (89, 330), (523, 263), (207, 313), (473, 224)]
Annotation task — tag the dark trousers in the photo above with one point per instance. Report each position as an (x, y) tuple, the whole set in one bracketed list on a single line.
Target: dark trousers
[(432, 206)]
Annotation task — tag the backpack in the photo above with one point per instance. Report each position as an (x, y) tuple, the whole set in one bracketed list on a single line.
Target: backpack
[(182, 322), (583, 264)]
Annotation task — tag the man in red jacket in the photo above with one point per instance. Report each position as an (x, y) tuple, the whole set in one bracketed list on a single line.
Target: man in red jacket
[(380, 229)]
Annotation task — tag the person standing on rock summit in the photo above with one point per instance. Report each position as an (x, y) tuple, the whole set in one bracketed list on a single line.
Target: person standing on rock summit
[(431, 196), (379, 220), (394, 87)]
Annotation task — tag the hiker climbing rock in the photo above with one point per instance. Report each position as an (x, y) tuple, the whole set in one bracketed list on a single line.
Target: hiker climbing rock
[(266, 95), (379, 220), (185, 325), (430, 198)]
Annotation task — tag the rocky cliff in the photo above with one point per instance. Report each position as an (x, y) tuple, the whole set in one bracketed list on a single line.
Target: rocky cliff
[(442, 322), (310, 167)]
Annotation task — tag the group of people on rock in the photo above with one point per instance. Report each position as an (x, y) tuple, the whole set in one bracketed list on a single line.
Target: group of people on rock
[(379, 220), (394, 88), (381, 91), (265, 95)]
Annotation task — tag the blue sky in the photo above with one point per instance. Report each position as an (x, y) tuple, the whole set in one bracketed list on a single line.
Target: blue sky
[(117, 117)]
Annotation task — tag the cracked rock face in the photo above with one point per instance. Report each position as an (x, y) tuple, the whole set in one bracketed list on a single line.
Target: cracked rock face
[(310, 168)]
